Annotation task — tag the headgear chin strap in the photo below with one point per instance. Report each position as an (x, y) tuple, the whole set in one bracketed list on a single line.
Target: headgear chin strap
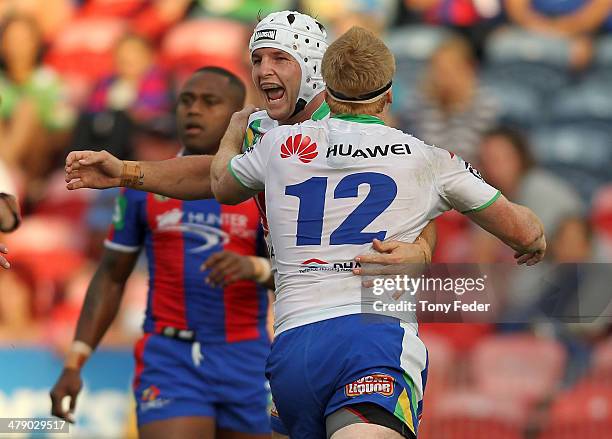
[(366, 98)]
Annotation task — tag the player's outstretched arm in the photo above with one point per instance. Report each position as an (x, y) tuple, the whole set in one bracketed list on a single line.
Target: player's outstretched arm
[(515, 225), (225, 186), (99, 310), (186, 178)]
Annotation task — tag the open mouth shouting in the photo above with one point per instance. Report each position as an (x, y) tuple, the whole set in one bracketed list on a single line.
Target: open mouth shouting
[(273, 92)]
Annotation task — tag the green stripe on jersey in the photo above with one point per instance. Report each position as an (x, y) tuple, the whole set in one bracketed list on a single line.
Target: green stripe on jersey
[(229, 166), (361, 118), (485, 205)]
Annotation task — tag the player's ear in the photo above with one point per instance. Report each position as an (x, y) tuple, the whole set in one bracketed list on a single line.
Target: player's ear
[(389, 96)]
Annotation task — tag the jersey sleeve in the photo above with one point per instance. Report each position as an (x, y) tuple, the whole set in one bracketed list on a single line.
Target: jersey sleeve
[(458, 183), (249, 168), (127, 230)]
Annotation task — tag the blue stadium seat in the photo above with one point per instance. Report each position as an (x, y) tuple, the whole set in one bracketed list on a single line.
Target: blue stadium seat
[(591, 101), (603, 52), (588, 147), (518, 104), (542, 78), (415, 43), (517, 45)]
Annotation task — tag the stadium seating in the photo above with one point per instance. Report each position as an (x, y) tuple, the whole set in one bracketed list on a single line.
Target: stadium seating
[(472, 415), (91, 39), (533, 60), (440, 364), (412, 47), (518, 46), (195, 43), (518, 105), (585, 145), (603, 52), (584, 412), (518, 367), (540, 78), (587, 102), (601, 365)]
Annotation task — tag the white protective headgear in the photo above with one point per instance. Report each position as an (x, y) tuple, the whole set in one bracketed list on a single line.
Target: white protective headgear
[(302, 37)]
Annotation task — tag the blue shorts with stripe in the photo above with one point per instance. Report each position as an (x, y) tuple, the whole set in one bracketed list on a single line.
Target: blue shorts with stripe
[(225, 381), (318, 368)]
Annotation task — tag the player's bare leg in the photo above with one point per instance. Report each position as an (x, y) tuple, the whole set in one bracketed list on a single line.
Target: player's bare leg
[(366, 431), (188, 427), (228, 434)]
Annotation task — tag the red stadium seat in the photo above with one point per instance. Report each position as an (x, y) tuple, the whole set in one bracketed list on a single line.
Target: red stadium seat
[(441, 359), (196, 43), (472, 415), (84, 49), (601, 365), (584, 412), (518, 367), (111, 8)]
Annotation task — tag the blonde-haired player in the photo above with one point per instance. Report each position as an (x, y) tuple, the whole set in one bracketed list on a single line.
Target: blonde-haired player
[(331, 187)]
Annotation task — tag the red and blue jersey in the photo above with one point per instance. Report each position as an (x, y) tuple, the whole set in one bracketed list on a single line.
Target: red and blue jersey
[(178, 237)]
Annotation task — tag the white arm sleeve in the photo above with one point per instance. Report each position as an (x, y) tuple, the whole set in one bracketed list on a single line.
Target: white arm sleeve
[(249, 168), (458, 183)]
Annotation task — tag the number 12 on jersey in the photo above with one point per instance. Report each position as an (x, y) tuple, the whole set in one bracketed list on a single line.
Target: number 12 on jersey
[(311, 194)]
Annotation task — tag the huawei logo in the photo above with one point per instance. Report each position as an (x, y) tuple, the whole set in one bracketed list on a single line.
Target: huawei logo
[(301, 146)]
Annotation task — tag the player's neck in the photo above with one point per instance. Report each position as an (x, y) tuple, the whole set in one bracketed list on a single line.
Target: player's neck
[(307, 112)]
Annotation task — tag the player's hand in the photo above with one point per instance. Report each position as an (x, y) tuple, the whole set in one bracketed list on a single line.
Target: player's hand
[(393, 257), (69, 384), (238, 124), (533, 255), (3, 260), (91, 169), (227, 267)]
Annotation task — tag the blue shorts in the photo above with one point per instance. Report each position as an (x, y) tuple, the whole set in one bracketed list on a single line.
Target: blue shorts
[(318, 368), (177, 378)]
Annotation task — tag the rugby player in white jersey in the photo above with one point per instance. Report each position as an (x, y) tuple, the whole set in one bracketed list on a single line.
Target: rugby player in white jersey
[(331, 186), (286, 52), (10, 216)]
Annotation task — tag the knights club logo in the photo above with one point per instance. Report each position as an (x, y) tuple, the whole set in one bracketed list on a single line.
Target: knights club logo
[(303, 147)]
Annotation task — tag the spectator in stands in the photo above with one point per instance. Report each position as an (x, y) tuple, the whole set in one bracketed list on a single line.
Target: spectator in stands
[(506, 162), (578, 20), (471, 18), (138, 91), (522, 181), (50, 15), (35, 116), (450, 110)]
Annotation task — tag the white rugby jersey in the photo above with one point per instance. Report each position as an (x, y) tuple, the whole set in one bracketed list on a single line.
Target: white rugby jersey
[(331, 187)]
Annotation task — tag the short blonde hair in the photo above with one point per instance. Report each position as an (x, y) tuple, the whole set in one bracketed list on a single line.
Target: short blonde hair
[(357, 63)]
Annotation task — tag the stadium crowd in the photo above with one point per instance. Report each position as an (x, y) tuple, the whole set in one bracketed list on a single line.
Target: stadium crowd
[(519, 88)]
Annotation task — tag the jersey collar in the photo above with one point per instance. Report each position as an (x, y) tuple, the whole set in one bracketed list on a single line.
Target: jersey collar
[(360, 118), (321, 112)]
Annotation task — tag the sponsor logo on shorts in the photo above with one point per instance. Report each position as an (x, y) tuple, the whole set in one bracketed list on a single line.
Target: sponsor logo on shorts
[(265, 34), (380, 383), (150, 399), (320, 265), (151, 393)]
